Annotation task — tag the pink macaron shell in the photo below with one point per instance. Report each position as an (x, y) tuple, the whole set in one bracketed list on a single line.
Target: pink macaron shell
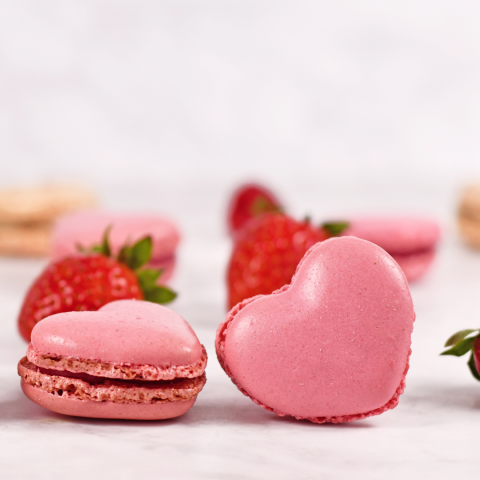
[(87, 229), (112, 410), (331, 346), (415, 265), (128, 331), (396, 234)]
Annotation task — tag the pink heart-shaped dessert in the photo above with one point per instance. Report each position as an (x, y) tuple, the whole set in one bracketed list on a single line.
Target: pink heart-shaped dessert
[(332, 346), (131, 359)]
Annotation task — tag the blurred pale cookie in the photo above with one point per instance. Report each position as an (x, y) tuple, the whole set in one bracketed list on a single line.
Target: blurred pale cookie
[(25, 240), (469, 215), (43, 203)]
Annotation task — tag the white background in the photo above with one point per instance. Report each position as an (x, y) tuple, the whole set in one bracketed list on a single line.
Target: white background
[(341, 107), (163, 92)]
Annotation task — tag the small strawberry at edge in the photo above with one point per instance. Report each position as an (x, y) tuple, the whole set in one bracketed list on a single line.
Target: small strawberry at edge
[(90, 280), (463, 342), (250, 201)]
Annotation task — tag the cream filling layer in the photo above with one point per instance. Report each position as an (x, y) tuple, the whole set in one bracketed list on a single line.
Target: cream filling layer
[(108, 390), (121, 371)]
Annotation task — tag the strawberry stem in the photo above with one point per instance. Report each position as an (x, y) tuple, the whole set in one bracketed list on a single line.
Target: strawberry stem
[(104, 248), (333, 229), (264, 205)]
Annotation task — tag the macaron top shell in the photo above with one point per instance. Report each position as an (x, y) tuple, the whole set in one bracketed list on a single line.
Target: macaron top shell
[(334, 344), (87, 228), (396, 235), (125, 331)]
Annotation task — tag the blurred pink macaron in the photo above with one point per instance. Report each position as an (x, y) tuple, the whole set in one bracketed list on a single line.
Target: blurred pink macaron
[(410, 241), (131, 359), (87, 228)]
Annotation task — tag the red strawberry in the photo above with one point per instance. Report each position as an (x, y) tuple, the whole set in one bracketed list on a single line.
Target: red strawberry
[(463, 342), (247, 202), (90, 280), (266, 255)]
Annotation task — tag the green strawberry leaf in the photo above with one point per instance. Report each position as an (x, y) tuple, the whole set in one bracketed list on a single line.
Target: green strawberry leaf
[(124, 255), (160, 295), (140, 253), (460, 348), (148, 278), (457, 337), (473, 367), (335, 228), (135, 257)]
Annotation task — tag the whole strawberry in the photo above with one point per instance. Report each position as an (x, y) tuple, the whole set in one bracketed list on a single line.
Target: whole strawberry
[(266, 255), (250, 201), (466, 341), (90, 280)]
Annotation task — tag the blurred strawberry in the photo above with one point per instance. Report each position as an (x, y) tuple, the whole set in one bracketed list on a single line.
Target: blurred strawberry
[(266, 255), (250, 201), (90, 280)]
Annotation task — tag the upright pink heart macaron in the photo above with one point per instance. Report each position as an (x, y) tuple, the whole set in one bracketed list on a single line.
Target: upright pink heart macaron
[(130, 360), (333, 346), (87, 229), (410, 241)]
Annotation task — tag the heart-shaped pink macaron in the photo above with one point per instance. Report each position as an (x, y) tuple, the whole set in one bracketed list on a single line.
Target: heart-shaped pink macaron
[(130, 359), (332, 346)]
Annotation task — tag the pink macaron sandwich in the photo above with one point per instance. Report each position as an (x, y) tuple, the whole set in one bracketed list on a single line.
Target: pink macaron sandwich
[(333, 345), (410, 241), (86, 229), (129, 360)]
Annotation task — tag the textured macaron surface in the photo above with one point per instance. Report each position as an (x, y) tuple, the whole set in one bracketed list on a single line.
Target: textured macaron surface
[(87, 228), (125, 331), (331, 346), (396, 234)]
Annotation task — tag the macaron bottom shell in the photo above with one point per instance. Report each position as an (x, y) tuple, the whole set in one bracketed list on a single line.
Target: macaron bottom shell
[(107, 410), (415, 265)]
